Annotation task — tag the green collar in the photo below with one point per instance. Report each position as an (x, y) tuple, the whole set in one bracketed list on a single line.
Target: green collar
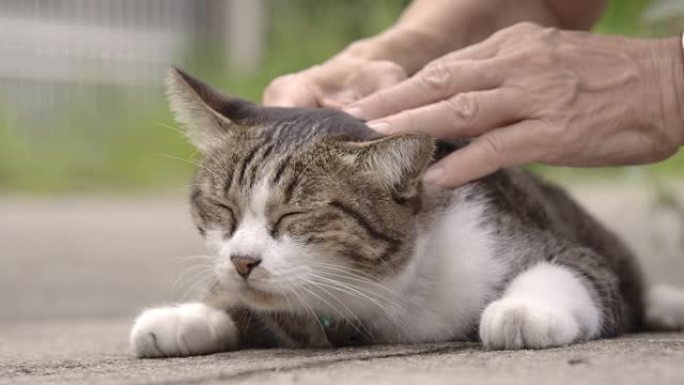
[(325, 321)]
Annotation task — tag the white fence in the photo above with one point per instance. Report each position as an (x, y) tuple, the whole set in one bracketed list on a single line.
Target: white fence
[(50, 46)]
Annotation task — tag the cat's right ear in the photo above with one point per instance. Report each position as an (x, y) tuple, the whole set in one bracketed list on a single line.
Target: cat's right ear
[(209, 117)]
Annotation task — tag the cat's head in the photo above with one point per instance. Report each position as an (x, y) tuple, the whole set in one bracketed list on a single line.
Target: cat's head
[(298, 204)]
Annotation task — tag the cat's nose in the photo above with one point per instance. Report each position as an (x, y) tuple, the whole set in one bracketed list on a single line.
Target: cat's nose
[(244, 264)]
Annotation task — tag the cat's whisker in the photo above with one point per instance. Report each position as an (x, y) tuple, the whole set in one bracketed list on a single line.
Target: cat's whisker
[(353, 291), (190, 258), (198, 282), (356, 325), (328, 304), (346, 270), (172, 128), (356, 293), (287, 300), (346, 274), (201, 279), (192, 274), (192, 269), (178, 158), (311, 311)]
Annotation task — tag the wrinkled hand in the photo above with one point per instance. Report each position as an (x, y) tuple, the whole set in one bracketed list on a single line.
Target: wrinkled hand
[(335, 83), (538, 94)]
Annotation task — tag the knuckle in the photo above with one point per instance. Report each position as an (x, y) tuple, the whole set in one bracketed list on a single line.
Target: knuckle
[(436, 76), (380, 71), (548, 35), (464, 106), (279, 84), (282, 81)]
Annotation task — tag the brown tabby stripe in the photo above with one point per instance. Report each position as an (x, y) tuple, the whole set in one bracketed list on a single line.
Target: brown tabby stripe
[(200, 210), (348, 249), (245, 164), (268, 151), (228, 181), (256, 166), (275, 229), (227, 208), (195, 195), (281, 170), (290, 188), (201, 230), (392, 248), (362, 221)]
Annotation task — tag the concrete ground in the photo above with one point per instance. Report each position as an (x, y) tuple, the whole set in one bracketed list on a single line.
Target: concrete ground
[(74, 272)]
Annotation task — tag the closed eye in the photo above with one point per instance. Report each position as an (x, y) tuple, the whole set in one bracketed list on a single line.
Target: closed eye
[(275, 230), (230, 211), (224, 207)]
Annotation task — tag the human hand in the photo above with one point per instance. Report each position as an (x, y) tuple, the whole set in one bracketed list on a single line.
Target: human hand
[(540, 94), (335, 83)]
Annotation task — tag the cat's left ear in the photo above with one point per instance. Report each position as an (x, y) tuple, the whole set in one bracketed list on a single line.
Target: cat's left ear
[(397, 161), (209, 117)]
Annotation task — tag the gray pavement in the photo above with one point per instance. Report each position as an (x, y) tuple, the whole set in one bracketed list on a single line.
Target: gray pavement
[(74, 272)]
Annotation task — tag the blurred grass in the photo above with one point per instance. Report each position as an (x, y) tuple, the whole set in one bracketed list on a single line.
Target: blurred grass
[(118, 139)]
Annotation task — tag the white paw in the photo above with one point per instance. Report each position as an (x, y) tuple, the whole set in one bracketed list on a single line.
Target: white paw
[(515, 323), (183, 330)]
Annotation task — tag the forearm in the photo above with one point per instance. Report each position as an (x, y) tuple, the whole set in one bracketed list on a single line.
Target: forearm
[(666, 96), (431, 28)]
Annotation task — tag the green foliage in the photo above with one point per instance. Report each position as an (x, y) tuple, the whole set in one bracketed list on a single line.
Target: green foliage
[(108, 138), (623, 17)]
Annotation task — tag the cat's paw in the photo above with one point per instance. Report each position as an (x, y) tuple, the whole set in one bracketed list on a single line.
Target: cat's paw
[(183, 330), (514, 323)]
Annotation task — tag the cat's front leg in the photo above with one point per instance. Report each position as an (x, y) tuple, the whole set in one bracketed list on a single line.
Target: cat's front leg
[(545, 306), (183, 330)]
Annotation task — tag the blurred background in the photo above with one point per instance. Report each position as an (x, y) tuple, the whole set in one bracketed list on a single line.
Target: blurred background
[(93, 170)]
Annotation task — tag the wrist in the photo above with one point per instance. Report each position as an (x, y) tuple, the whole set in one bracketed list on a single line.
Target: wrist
[(668, 57), (410, 48)]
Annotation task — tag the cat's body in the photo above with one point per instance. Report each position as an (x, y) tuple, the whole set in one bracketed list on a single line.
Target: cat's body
[(325, 236)]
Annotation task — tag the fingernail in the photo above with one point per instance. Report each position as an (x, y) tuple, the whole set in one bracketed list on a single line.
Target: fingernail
[(381, 127), (433, 174), (354, 111)]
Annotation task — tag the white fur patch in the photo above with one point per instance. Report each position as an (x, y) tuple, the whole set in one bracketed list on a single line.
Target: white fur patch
[(183, 330), (452, 275), (280, 258), (251, 237), (543, 307)]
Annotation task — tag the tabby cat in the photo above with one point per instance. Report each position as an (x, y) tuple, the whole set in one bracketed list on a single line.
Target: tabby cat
[(323, 235)]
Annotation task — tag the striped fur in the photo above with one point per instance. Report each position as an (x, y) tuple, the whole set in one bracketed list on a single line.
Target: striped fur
[(352, 248)]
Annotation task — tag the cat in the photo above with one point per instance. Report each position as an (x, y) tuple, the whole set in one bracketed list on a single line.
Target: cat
[(324, 235)]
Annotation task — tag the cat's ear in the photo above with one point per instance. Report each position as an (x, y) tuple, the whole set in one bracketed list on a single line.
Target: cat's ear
[(209, 117), (397, 161)]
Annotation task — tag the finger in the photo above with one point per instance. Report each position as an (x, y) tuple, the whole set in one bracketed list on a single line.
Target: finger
[(436, 82), (370, 78), (290, 91), (464, 115), (337, 102), (512, 145)]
